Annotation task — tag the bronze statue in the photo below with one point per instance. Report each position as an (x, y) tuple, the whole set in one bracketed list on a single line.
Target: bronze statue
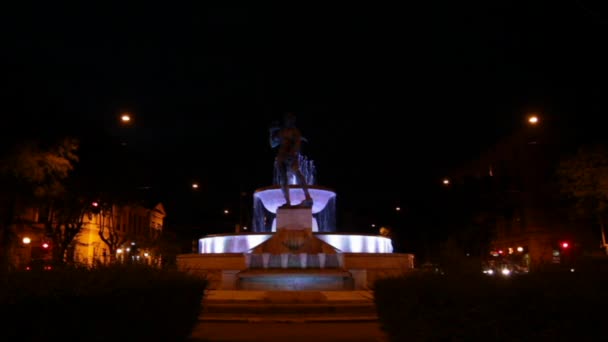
[(289, 140)]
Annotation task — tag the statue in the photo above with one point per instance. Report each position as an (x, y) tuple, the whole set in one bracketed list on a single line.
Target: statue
[(289, 139)]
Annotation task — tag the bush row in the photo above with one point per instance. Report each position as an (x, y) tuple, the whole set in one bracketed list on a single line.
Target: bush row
[(545, 306), (117, 303)]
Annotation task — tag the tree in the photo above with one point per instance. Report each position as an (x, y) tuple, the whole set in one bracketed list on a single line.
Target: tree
[(166, 248), (64, 223), (30, 172), (109, 228), (584, 180)]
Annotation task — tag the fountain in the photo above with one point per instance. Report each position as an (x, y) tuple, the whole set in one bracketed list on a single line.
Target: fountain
[(267, 200), (296, 247)]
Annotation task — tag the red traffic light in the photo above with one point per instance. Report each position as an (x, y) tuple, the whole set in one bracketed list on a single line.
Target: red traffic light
[(565, 244)]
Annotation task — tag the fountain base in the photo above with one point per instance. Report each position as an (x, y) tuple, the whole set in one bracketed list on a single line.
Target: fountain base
[(294, 280)]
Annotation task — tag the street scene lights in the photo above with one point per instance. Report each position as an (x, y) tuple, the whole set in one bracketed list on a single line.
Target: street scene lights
[(26, 240), (446, 181)]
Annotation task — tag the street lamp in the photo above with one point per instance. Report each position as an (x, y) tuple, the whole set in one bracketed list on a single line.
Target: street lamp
[(125, 118), (446, 181), (194, 185), (26, 240), (533, 119)]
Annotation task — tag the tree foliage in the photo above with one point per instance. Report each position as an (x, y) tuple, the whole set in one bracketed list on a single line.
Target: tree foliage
[(31, 172), (584, 180), (39, 170)]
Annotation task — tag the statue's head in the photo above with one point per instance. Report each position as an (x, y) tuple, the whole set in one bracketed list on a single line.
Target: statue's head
[(289, 119)]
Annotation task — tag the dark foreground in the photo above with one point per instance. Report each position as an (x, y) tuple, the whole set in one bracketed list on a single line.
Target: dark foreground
[(290, 332)]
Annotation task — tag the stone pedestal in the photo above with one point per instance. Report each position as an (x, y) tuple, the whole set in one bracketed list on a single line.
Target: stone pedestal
[(247, 260), (321, 260), (303, 259), (359, 278), (340, 260), (294, 237), (265, 259), (229, 278), (284, 260), (295, 218)]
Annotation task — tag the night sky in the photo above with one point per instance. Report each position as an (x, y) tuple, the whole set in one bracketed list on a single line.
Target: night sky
[(389, 97)]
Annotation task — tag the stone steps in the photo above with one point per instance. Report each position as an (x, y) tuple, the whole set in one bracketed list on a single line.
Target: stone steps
[(289, 306)]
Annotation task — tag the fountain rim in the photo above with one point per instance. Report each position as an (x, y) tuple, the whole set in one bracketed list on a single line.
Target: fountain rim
[(278, 187), (314, 233)]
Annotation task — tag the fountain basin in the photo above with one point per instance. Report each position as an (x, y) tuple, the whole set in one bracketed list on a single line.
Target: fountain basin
[(346, 243), (272, 197)]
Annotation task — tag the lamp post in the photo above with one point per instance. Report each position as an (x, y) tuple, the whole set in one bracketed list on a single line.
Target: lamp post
[(125, 120)]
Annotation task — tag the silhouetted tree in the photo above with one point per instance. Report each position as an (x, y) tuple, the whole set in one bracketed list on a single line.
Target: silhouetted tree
[(30, 173), (108, 215), (584, 180), (64, 222)]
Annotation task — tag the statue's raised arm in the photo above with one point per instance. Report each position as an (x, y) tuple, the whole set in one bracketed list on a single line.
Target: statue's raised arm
[(274, 138)]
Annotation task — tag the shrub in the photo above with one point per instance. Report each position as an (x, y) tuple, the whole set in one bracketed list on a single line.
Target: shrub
[(117, 303), (545, 306)]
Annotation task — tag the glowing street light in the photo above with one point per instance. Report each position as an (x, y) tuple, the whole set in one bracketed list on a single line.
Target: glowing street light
[(446, 181), (26, 240), (194, 185), (397, 208), (533, 119), (226, 211), (125, 118)]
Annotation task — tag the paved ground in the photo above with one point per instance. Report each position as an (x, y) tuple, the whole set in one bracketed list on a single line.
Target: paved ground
[(292, 316), (331, 296), (288, 306), (288, 332)]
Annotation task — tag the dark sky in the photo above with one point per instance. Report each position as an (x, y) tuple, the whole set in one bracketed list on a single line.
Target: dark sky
[(389, 97)]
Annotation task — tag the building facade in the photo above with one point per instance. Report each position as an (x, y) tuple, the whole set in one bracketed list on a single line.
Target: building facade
[(531, 224), (122, 233)]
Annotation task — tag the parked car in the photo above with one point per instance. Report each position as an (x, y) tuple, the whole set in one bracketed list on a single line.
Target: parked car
[(39, 265)]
